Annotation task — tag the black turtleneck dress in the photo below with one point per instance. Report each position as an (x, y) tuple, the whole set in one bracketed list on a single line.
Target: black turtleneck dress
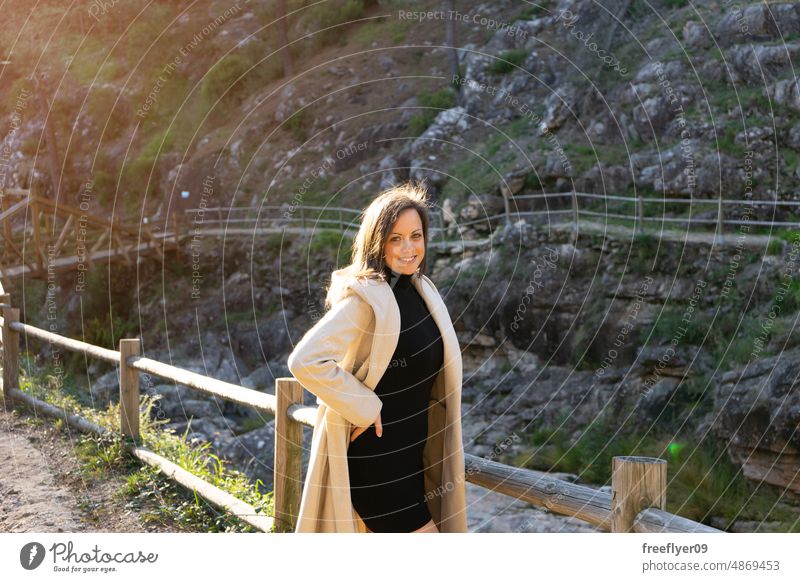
[(386, 473)]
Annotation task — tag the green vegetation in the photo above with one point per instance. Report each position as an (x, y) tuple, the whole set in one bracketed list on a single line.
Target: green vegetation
[(331, 245), (518, 128), (702, 482), (94, 65), (726, 142), (103, 325), (224, 78), (791, 301), (156, 498), (330, 15), (645, 251), (587, 350), (391, 29), (108, 109), (501, 155), (298, 124), (583, 156), (724, 97), (728, 329), (670, 324), (508, 61), (471, 174), (434, 103), (532, 11), (775, 247)]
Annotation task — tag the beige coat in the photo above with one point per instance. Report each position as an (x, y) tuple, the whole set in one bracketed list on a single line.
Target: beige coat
[(341, 359)]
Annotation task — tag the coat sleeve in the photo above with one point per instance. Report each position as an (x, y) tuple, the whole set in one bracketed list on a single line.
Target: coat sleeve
[(315, 362)]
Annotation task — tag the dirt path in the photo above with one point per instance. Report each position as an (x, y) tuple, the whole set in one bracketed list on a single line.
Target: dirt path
[(42, 488)]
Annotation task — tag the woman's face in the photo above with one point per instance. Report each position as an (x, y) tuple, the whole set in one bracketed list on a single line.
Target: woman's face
[(405, 246)]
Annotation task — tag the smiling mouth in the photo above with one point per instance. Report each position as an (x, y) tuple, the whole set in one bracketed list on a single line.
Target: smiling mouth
[(409, 260)]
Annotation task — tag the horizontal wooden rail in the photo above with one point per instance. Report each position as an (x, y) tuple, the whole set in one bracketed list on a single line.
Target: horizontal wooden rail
[(654, 520), (556, 495), (207, 491), (211, 386), (562, 497), (306, 415), (565, 498), (41, 407), (74, 345), (214, 495)]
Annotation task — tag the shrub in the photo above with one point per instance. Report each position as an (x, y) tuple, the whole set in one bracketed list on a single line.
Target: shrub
[(508, 61), (225, 78), (329, 15), (434, 102)]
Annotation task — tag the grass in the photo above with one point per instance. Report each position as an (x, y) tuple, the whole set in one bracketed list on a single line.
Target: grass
[(723, 97), (775, 247), (584, 156), (224, 78), (391, 29), (726, 142), (508, 61), (298, 125), (92, 61), (791, 300), (646, 247), (670, 324), (469, 175), (473, 175), (701, 481), (728, 332), (102, 456), (586, 354), (434, 103), (331, 15), (516, 129), (331, 245)]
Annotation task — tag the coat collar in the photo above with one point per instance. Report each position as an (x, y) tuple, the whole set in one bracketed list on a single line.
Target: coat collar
[(387, 324)]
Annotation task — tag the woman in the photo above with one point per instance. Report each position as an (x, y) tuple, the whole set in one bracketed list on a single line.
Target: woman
[(385, 365)]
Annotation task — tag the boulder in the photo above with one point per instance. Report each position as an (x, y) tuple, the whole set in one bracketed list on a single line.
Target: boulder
[(757, 412), (759, 22)]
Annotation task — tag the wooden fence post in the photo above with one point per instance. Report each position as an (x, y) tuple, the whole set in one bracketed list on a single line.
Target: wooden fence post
[(128, 389), (636, 484), (10, 350), (640, 214), (288, 455), (5, 300), (575, 217)]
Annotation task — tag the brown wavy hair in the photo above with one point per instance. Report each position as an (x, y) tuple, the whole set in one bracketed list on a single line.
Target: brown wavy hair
[(376, 225)]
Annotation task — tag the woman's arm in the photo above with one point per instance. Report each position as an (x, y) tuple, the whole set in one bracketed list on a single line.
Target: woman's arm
[(314, 362)]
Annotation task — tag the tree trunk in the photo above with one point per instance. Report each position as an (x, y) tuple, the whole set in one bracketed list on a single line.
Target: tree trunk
[(450, 24), (283, 38)]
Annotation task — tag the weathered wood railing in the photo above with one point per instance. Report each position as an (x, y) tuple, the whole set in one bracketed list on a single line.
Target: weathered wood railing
[(346, 219), (155, 236), (636, 504)]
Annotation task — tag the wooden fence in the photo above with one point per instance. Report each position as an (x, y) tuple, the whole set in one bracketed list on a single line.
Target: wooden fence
[(636, 503), (333, 217), (36, 229)]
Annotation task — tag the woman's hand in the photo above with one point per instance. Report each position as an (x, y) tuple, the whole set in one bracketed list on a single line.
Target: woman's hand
[(357, 430)]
